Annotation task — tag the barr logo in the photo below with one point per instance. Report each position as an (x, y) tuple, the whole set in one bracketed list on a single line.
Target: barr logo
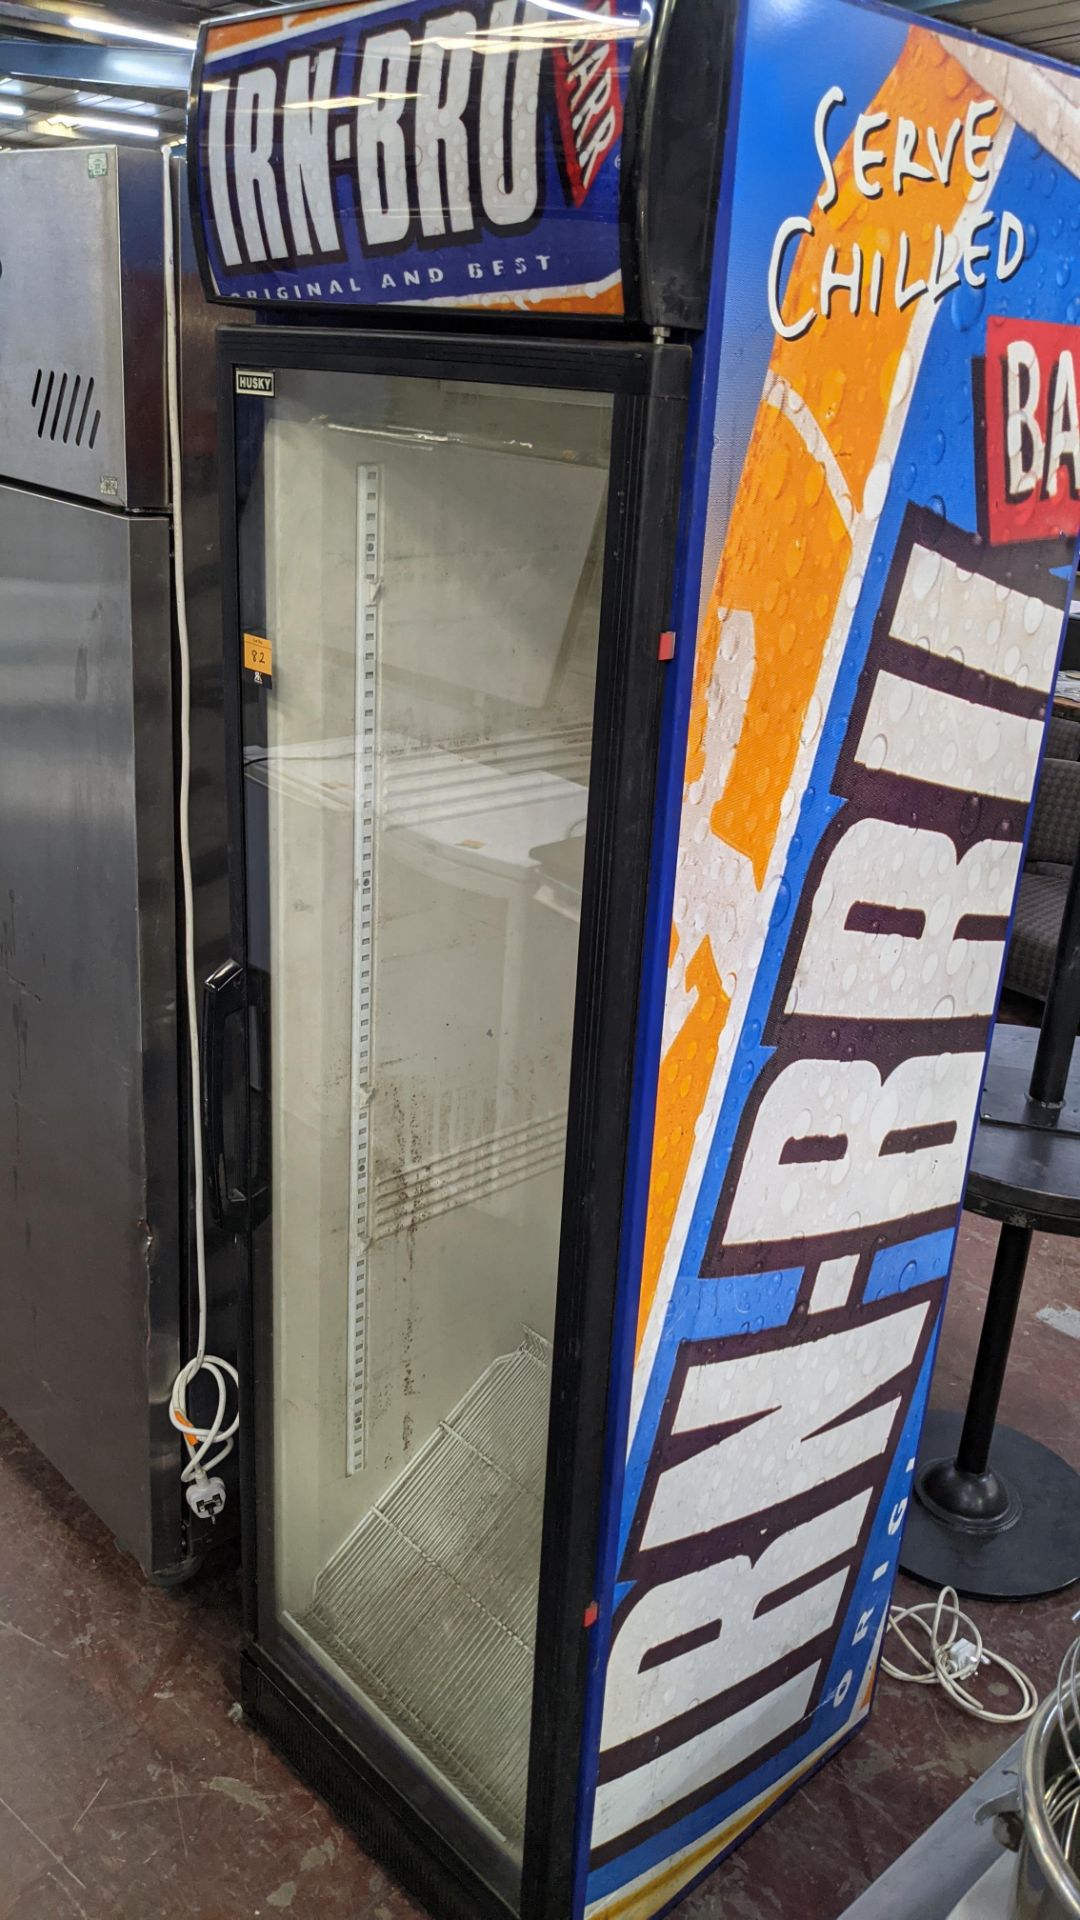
[(260, 383), (1031, 451), (588, 103)]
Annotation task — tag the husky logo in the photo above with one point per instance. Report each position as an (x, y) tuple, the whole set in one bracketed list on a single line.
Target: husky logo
[(260, 383), (414, 135)]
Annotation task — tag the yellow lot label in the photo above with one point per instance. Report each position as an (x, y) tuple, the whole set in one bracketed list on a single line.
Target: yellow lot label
[(258, 654)]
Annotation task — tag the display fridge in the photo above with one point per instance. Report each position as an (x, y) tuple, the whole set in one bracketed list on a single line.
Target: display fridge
[(650, 507)]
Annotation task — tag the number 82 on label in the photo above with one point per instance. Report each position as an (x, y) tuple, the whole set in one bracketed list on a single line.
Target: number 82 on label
[(258, 657)]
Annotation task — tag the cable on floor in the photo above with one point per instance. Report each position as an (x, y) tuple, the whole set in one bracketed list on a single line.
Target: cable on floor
[(207, 1445), (955, 1654)]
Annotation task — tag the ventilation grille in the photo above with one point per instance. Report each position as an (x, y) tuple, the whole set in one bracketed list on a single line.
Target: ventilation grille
[(63, 405), (430, 1606)]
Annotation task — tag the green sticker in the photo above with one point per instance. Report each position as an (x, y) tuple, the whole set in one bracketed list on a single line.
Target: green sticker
[(97, 165)]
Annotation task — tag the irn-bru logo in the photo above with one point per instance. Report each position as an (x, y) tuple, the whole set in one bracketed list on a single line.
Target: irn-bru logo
[(774, 1449), (415, 134), (1031, 453)]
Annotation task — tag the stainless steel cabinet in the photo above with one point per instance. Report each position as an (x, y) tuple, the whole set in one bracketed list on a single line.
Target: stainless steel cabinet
[(95, 1227), (89, 1153)]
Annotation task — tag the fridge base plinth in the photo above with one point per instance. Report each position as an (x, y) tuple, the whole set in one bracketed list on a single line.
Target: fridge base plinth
[(429, 1607)]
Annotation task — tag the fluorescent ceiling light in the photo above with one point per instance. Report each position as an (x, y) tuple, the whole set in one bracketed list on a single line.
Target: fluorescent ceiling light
[(11, 110), (144, 129), (121, 30)]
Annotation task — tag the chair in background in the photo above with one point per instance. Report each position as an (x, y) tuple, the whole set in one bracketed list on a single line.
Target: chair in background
[(1052, 850)]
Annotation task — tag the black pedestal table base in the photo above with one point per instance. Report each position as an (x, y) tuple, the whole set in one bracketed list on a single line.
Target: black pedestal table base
[(994, 1513), (1030, 1545)]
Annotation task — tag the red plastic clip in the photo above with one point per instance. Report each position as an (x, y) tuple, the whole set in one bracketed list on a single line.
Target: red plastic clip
[(667, 644)]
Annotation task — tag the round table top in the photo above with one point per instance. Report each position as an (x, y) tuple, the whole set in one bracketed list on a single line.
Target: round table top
[(1025, 1167)]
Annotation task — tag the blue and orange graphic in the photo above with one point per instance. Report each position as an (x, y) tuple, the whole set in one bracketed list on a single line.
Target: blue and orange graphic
[(863, 725)]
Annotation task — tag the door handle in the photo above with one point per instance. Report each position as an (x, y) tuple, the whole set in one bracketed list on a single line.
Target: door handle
[(224, 999), (258, 1141)]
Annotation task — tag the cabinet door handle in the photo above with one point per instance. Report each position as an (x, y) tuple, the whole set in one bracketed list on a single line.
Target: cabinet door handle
[(224, 999)]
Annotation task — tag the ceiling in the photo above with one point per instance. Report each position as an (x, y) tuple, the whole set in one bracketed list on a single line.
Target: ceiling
[(1048, 26), (68, 64)]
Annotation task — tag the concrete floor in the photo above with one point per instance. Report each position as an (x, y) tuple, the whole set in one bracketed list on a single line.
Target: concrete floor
[(131, 1790)]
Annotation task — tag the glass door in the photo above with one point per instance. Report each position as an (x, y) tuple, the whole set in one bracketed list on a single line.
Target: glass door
[(421, 563)]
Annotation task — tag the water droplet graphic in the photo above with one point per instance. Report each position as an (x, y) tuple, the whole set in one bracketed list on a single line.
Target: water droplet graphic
[(876, 491), (970, 817), (781, 905), (925, 571), (905, 373), (811, 725), (966, 306)]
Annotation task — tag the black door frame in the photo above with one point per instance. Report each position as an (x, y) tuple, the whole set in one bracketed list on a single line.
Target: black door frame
[(386, 1799)]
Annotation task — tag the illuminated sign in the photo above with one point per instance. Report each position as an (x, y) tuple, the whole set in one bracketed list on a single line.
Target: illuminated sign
[(389, 153)]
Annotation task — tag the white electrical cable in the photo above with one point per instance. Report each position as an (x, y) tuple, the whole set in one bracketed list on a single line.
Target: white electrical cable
[(202, 1441), (955, 1656)]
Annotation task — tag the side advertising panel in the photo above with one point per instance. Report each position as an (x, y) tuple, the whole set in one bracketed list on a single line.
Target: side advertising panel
[(888, 517)]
